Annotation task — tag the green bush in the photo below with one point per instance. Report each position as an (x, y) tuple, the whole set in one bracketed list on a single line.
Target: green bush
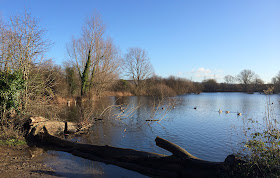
[(11, 87)]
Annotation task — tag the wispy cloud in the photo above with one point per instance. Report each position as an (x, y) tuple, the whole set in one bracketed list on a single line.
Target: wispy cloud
[(201, 74)]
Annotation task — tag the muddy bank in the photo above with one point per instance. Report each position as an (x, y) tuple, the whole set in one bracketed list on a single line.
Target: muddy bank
[(22, 161)]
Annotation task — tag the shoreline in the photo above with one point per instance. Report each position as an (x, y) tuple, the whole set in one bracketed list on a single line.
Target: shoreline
[(20, 161)]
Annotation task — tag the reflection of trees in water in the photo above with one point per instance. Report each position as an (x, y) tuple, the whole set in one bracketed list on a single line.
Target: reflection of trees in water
[(117, 117), (72, 166), (142, 111), (87, 110), (129, 112)]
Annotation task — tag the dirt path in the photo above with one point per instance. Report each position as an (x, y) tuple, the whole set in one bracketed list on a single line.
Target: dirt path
[(21, 161)]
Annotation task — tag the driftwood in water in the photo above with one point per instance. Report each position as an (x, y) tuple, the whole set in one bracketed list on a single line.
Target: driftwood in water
[(179, 164), (152, 120)]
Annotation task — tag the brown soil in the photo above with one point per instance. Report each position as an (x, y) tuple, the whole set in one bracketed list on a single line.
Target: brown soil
[(22, 161)]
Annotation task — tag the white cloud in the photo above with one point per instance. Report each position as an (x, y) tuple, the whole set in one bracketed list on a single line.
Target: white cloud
[(201, 74)]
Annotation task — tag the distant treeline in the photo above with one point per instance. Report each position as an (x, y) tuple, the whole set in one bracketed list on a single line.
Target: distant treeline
[(171, 86), (212, 86), (158, 86)]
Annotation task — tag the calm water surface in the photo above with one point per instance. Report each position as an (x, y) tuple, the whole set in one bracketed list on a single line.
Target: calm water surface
[(203, 131)]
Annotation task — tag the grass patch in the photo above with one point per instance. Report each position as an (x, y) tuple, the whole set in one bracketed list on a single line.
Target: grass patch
[(11, 136), (12, 142)]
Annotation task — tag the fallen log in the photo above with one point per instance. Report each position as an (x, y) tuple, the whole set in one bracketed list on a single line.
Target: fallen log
[(180, 164), (56, 127), (175, 149)]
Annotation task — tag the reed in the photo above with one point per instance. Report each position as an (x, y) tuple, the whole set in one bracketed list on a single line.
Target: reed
[(261, 151)]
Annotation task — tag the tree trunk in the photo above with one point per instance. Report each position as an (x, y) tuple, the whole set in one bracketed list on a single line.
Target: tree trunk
[(85, 75)]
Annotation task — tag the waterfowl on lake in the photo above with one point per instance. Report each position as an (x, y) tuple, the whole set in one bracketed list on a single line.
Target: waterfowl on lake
[(227, 112), (239, 113), (194, 108), (122, 109), (220, 111)]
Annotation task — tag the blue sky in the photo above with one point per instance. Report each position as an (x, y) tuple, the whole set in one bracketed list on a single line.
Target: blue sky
[(194, 39)]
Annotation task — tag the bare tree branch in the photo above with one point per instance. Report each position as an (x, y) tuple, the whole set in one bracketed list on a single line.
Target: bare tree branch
[(138, 66), (95, 58)]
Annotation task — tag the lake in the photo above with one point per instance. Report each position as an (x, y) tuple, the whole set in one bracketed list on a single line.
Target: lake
[(191, 121)]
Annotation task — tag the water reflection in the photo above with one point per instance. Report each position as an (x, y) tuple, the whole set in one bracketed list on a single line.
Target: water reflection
[(203, 131), (67, 165)]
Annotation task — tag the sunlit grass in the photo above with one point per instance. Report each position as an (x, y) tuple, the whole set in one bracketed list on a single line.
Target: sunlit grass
[(12, 142)]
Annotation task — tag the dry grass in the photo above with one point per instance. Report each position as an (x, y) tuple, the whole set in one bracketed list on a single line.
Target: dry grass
[(116, 93), (11, 135), (161, 90), (261, 152)]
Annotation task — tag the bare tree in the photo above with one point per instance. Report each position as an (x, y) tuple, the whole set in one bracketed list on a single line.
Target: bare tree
[(258, 84), (107, 68), (229, 79), (258, 81), (95, 58), (5, 46), (2, 37), (23, 46), (276, 82), (210, 85), (26, 42), (138, 66), (276, 79), (246, 77), (85, 50)]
